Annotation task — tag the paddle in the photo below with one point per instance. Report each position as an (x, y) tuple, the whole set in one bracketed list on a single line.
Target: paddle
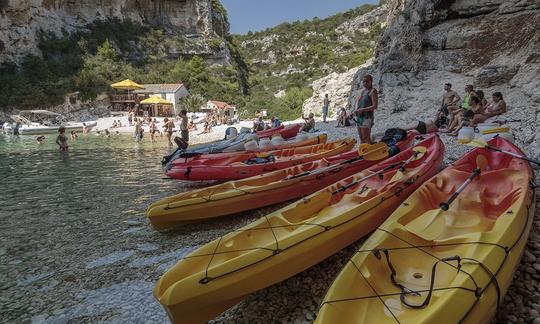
[(368, 152), (419, 150), (480, 142), (424, 226), (418, 153)]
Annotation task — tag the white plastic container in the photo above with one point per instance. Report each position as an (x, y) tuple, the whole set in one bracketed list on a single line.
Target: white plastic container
[(264, 143), (251, 145), (277, 140), (465, 135)]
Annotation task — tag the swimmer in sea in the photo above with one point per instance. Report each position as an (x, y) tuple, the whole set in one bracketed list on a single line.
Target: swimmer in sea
[(62, 139), (40, 139)]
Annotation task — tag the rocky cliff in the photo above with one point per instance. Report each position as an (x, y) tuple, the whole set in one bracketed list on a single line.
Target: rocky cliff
[(492, 44), (21, 21)]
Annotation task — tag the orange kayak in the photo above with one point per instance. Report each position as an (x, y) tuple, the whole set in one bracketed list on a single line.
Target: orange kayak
[(250, 164), (281, 244), (259, 191)]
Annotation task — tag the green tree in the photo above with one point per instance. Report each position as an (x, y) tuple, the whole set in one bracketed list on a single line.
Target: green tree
[(193, 102)]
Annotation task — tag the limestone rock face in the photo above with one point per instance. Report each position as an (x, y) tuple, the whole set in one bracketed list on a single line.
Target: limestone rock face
[(492, 44), (22, 20), (338, 88)]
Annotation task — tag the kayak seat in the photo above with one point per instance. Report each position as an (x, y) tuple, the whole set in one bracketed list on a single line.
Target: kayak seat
[(475, 210)]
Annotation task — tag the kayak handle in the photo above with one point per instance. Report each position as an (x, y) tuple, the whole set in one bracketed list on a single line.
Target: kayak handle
[(446, 205)]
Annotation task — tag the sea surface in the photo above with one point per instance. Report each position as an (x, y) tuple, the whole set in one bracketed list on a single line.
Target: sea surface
[(74, 240)]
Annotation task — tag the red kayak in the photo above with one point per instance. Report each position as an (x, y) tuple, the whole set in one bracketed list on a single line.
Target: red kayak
[(286, 132), (250, 164)]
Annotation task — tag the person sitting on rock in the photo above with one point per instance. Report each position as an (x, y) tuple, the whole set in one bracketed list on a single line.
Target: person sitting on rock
[(343, 119), (495, 108), (258, 125), (468, 115), (275, 122), (450, 98), (456, 111), (309, 123)]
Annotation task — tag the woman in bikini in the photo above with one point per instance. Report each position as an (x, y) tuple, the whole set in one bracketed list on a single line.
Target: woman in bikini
[(365, 109), (495, 108)]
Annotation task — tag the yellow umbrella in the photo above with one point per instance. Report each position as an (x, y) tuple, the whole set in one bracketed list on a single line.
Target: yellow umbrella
[(127, 85), (155, 101)]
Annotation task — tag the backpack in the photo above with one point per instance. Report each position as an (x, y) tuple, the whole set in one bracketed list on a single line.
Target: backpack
[(394, 135)]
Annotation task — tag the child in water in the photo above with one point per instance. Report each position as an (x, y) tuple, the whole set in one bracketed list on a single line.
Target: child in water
[(73, 135), (40, 139), (62, 139)]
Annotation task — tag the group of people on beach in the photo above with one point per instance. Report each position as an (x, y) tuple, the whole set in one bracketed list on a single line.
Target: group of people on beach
[(259, 124), (455, 112)]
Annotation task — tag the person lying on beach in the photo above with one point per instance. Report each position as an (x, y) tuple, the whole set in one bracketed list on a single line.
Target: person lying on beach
[(309, 123), (62, 140), (40, 139), (495, 108), (418, 125)]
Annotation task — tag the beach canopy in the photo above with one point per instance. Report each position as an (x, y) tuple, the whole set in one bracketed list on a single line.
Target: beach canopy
[(127, 85), (155, 101)]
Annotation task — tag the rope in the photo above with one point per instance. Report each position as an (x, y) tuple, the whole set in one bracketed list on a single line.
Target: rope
[(277, 250), (478, 291)]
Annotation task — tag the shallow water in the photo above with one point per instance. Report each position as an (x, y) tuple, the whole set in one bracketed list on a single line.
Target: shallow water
[(73, 229)]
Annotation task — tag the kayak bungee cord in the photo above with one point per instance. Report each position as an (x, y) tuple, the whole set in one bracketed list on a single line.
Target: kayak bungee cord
[(405, 181), (478, 291), (374, 152)]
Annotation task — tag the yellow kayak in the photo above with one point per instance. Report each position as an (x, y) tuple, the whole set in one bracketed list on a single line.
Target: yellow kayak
[(262, 190), (292, 239), (442, 257)]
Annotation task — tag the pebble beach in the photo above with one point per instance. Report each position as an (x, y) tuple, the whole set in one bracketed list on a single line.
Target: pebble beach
[(103, 270)]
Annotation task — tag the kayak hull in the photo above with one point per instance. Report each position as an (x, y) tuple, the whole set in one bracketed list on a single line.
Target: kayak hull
[(480, 239), (221, 273), (234, 167), (255, 192)]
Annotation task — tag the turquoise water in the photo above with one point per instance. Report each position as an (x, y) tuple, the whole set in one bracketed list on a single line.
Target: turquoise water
[(73, 224)]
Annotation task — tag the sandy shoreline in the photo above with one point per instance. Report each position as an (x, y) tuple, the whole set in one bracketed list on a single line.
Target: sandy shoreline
[(127, 257)]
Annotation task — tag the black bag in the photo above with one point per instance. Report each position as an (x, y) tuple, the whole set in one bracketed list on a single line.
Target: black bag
[(394, 135)]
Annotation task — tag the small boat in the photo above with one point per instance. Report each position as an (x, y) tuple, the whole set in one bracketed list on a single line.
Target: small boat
[(448, 253), (37, 122), (279, 245), (245, 165), (262, 190)]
